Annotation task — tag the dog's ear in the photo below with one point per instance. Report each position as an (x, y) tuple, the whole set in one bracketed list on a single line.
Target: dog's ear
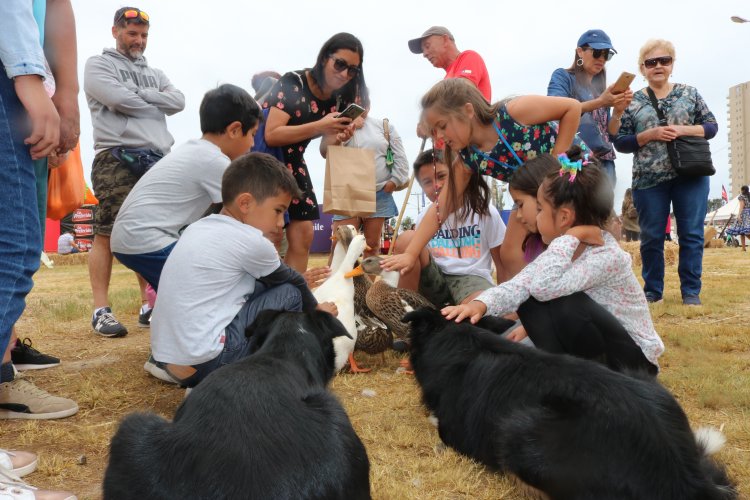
[(258, 331), (424, 315), (328, 325)]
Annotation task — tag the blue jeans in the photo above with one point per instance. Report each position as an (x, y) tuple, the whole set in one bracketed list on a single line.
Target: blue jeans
[(19, 218), (689, 199), (284, 297), (609, 167)]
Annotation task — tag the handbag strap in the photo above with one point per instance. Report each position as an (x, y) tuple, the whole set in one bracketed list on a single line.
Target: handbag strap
[(671, 149), (389, 151), (655, 104)]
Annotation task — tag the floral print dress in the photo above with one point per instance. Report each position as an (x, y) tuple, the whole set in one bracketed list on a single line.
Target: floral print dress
[(292, 95), (526, 141), (742, 224)]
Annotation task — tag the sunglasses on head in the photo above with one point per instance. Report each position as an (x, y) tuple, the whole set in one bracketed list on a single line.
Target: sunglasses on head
[(132, 14), (597, 53), (340, 65), (664, 61)]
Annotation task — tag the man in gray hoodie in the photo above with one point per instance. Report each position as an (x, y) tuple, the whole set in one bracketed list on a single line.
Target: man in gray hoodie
[(129, 102)]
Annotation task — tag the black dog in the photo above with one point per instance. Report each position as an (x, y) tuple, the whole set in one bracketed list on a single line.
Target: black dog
[(261, 428), (567, 427)]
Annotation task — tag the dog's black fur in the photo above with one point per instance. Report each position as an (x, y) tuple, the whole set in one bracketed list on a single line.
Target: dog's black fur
[(263, 427), (570, 428)]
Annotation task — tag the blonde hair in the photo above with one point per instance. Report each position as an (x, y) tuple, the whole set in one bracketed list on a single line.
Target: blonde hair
[(653, 44)]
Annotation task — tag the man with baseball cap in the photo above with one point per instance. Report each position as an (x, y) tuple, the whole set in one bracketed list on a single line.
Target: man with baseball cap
[(439, 47)]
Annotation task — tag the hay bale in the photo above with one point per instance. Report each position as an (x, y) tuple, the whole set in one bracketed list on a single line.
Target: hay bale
[(634, 249), (71, 259), (671, 251)]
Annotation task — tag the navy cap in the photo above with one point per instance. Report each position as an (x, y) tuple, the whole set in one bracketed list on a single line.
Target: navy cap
[(596, 39)]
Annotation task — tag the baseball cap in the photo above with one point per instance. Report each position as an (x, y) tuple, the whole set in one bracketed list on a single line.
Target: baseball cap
[(596, 39), (415, 45)]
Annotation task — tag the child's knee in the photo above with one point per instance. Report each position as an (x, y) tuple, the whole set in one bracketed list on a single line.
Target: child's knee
[(289, 297)]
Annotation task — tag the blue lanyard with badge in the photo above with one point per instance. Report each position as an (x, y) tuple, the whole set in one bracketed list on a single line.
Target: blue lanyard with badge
[(488, 158)]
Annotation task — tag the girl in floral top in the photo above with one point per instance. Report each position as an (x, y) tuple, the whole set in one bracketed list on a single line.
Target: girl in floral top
[(579, 296), (304, 105), (492, 139), (741, 226), (656, 184)]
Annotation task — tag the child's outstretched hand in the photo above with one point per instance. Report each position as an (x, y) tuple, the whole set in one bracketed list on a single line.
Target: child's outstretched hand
[(474, 310), (328, 307), (590, 235), (518, 334)]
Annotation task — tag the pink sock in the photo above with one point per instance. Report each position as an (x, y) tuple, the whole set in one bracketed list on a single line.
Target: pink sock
[(151, 295)]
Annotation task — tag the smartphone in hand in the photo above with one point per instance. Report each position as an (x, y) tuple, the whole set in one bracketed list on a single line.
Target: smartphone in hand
[(623, 82), (352, 112)]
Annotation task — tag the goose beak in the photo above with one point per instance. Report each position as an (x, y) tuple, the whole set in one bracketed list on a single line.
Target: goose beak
[(357, 271), (333, 238)]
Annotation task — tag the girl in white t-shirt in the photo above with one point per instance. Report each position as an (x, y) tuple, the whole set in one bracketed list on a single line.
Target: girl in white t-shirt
[(456, 265), (580, 295)]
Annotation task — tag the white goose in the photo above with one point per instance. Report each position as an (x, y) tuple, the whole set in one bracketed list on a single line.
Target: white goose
[(340, 290)]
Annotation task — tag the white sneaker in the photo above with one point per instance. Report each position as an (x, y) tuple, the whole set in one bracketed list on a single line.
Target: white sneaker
[(13, 488), (158, 370), (20, 463)]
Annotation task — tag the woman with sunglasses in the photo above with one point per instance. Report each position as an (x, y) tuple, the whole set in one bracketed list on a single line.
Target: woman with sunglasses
[(304, 105), (656, 185), (586, 81)]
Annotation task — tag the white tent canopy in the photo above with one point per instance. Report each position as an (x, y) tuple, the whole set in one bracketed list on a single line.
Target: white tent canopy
[(721, 216)]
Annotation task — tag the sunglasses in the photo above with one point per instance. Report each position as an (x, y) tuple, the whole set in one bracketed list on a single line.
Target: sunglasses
[(597, 53), (132, 14), (340, 65), (664, 61)]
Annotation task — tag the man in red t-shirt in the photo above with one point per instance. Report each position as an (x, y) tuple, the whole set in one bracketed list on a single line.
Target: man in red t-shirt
[(439, 47)]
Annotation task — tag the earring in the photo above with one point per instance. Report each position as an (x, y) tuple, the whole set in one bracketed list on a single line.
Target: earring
[(579, 62)]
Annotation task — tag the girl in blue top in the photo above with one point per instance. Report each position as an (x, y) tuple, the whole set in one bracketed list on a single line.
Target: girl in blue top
[(491, 139)]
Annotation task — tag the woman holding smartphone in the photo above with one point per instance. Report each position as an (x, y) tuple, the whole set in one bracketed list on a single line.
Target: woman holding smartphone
[(586, 81), (491, 139), (304, 105)]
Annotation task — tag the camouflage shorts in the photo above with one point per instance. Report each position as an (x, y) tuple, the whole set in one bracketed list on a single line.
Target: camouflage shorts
[(448, 289), (111, 181)]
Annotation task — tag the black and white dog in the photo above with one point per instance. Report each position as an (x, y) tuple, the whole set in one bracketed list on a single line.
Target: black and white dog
[(261, 428), (570, 428)]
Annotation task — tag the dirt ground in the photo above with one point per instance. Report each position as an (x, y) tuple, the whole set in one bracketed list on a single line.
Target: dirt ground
[(706, 365)]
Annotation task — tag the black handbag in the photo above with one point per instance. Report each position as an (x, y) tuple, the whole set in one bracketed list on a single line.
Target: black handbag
[(690, 155), (138, 161)]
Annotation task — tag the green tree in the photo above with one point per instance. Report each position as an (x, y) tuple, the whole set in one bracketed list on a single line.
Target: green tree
[(406, 223), (714, 204)]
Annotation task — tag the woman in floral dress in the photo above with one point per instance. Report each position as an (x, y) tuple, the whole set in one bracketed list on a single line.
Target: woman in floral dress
[(741, 227), (304, 105), (491, 139)]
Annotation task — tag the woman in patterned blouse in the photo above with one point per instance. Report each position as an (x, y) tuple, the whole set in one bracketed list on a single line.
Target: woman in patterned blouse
[(656, 184), (491, 139)]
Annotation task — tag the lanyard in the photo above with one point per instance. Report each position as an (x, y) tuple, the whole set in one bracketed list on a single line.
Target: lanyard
[(507, 146)]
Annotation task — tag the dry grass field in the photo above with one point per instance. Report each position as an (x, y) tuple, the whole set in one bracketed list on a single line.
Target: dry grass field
[(706, 366)]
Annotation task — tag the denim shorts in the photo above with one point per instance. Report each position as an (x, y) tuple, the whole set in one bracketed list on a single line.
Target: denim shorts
[(385, 207), (149, 265)]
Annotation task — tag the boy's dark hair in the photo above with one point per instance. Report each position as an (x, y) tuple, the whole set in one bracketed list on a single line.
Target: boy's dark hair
[(590, 194), (356, 89), (259, 174), (121, 21), (425, 158), (530, 176), (745, 190), (226, 104)]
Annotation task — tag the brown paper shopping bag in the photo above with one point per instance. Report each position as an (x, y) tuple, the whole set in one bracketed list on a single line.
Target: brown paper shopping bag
[(349, 182)]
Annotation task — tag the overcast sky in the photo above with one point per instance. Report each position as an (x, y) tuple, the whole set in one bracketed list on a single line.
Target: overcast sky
[(202, 44)]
